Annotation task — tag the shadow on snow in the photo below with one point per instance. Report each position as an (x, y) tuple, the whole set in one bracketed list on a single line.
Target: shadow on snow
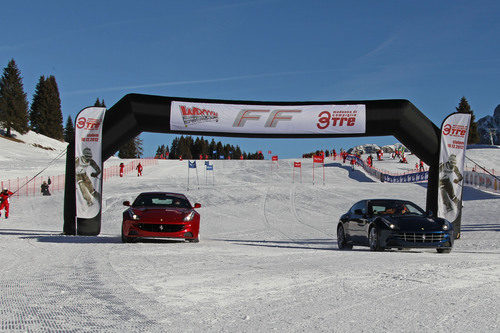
[(355, 174)]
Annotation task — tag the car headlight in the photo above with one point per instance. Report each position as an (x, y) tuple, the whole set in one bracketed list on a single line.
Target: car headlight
[(133, 216), (445, 226), (389, 224), (189, 216)]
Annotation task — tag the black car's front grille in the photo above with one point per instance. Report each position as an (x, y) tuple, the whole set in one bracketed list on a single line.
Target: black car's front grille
[(413, 237), (161, 227)]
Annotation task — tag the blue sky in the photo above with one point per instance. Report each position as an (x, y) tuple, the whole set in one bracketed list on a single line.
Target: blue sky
[(429, 52)]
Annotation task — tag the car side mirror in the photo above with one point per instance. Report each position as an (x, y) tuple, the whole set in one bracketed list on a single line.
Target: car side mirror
[(197, 205), (126, 203)]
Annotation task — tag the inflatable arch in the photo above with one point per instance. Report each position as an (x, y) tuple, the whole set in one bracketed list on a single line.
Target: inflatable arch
[(136, 113)]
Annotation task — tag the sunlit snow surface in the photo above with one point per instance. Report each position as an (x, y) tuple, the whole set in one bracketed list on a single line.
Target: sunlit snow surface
[(267, 260)]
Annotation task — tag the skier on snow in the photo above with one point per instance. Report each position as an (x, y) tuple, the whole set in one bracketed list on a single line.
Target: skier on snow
[(4, 201), (121, 169)]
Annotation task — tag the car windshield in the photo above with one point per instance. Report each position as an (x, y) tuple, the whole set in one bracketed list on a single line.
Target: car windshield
[(160, 200), (395, 207)]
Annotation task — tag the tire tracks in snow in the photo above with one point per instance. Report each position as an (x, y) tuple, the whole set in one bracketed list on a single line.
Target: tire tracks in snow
[(299, 220)]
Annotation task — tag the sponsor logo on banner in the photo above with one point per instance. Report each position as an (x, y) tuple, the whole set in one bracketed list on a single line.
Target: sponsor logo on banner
[(454, 131), (297, 164), (272, 119), (318, 159), (194, 115), (275, 158), (88, 161)]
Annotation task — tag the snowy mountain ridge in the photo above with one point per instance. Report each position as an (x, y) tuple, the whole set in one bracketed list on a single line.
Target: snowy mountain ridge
[(489, 128)]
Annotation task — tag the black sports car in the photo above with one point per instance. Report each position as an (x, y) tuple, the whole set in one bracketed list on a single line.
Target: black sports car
[(387, 223)]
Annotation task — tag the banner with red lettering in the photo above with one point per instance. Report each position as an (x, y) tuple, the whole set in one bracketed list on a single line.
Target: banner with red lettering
[(268, 119), (297, 165), (318, 159), (454, 133), (88, 161)]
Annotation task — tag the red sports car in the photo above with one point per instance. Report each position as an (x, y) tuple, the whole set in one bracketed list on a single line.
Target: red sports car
[(161, 215)]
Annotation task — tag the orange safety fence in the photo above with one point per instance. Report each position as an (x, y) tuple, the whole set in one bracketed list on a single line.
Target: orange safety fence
[(23, 186)]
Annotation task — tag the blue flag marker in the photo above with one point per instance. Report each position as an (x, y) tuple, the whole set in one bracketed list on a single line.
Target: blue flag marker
[(207, 163), (210, 167), (192, 164)]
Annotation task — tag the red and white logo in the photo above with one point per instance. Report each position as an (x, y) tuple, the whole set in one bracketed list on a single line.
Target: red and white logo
[(196, 115), (318, 159), (297, 164), (88, 123), (338, 118), (455, 130)]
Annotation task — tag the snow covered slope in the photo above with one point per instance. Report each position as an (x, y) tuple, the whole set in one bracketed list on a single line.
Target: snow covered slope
[(267, 260)]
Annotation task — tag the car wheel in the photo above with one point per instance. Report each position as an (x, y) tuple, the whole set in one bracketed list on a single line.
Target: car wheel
[(373, 239), (341, 239), (126, 239), (195, 240), (443, 250)]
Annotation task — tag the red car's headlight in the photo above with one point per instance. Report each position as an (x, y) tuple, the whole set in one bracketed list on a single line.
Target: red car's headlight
[(133, 216), (189, 216)]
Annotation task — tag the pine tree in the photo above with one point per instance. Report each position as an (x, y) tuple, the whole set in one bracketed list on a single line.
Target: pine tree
[(36, 116), (131, 149), (55, 126), (99, 103), (159, 151), (174, 151), (69, 130), (45, 114), (464, 107), (13, 101), (212, 148), (138, 147), (184, 148)]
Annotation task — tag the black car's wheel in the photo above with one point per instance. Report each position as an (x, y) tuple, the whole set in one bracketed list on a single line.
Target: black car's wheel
[(443, 250), (373, 239), (341, 239)]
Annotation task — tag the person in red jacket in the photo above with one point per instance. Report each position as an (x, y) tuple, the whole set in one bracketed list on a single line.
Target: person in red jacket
[(139, 170), (4, 201), (121, 169)]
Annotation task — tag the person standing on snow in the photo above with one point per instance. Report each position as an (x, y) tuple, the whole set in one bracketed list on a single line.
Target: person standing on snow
[(44, 188), (139, 170), (121, 169), (4, 201)]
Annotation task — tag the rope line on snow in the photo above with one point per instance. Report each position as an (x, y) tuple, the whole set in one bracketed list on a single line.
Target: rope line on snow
[(55, 159), (489, 173)]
